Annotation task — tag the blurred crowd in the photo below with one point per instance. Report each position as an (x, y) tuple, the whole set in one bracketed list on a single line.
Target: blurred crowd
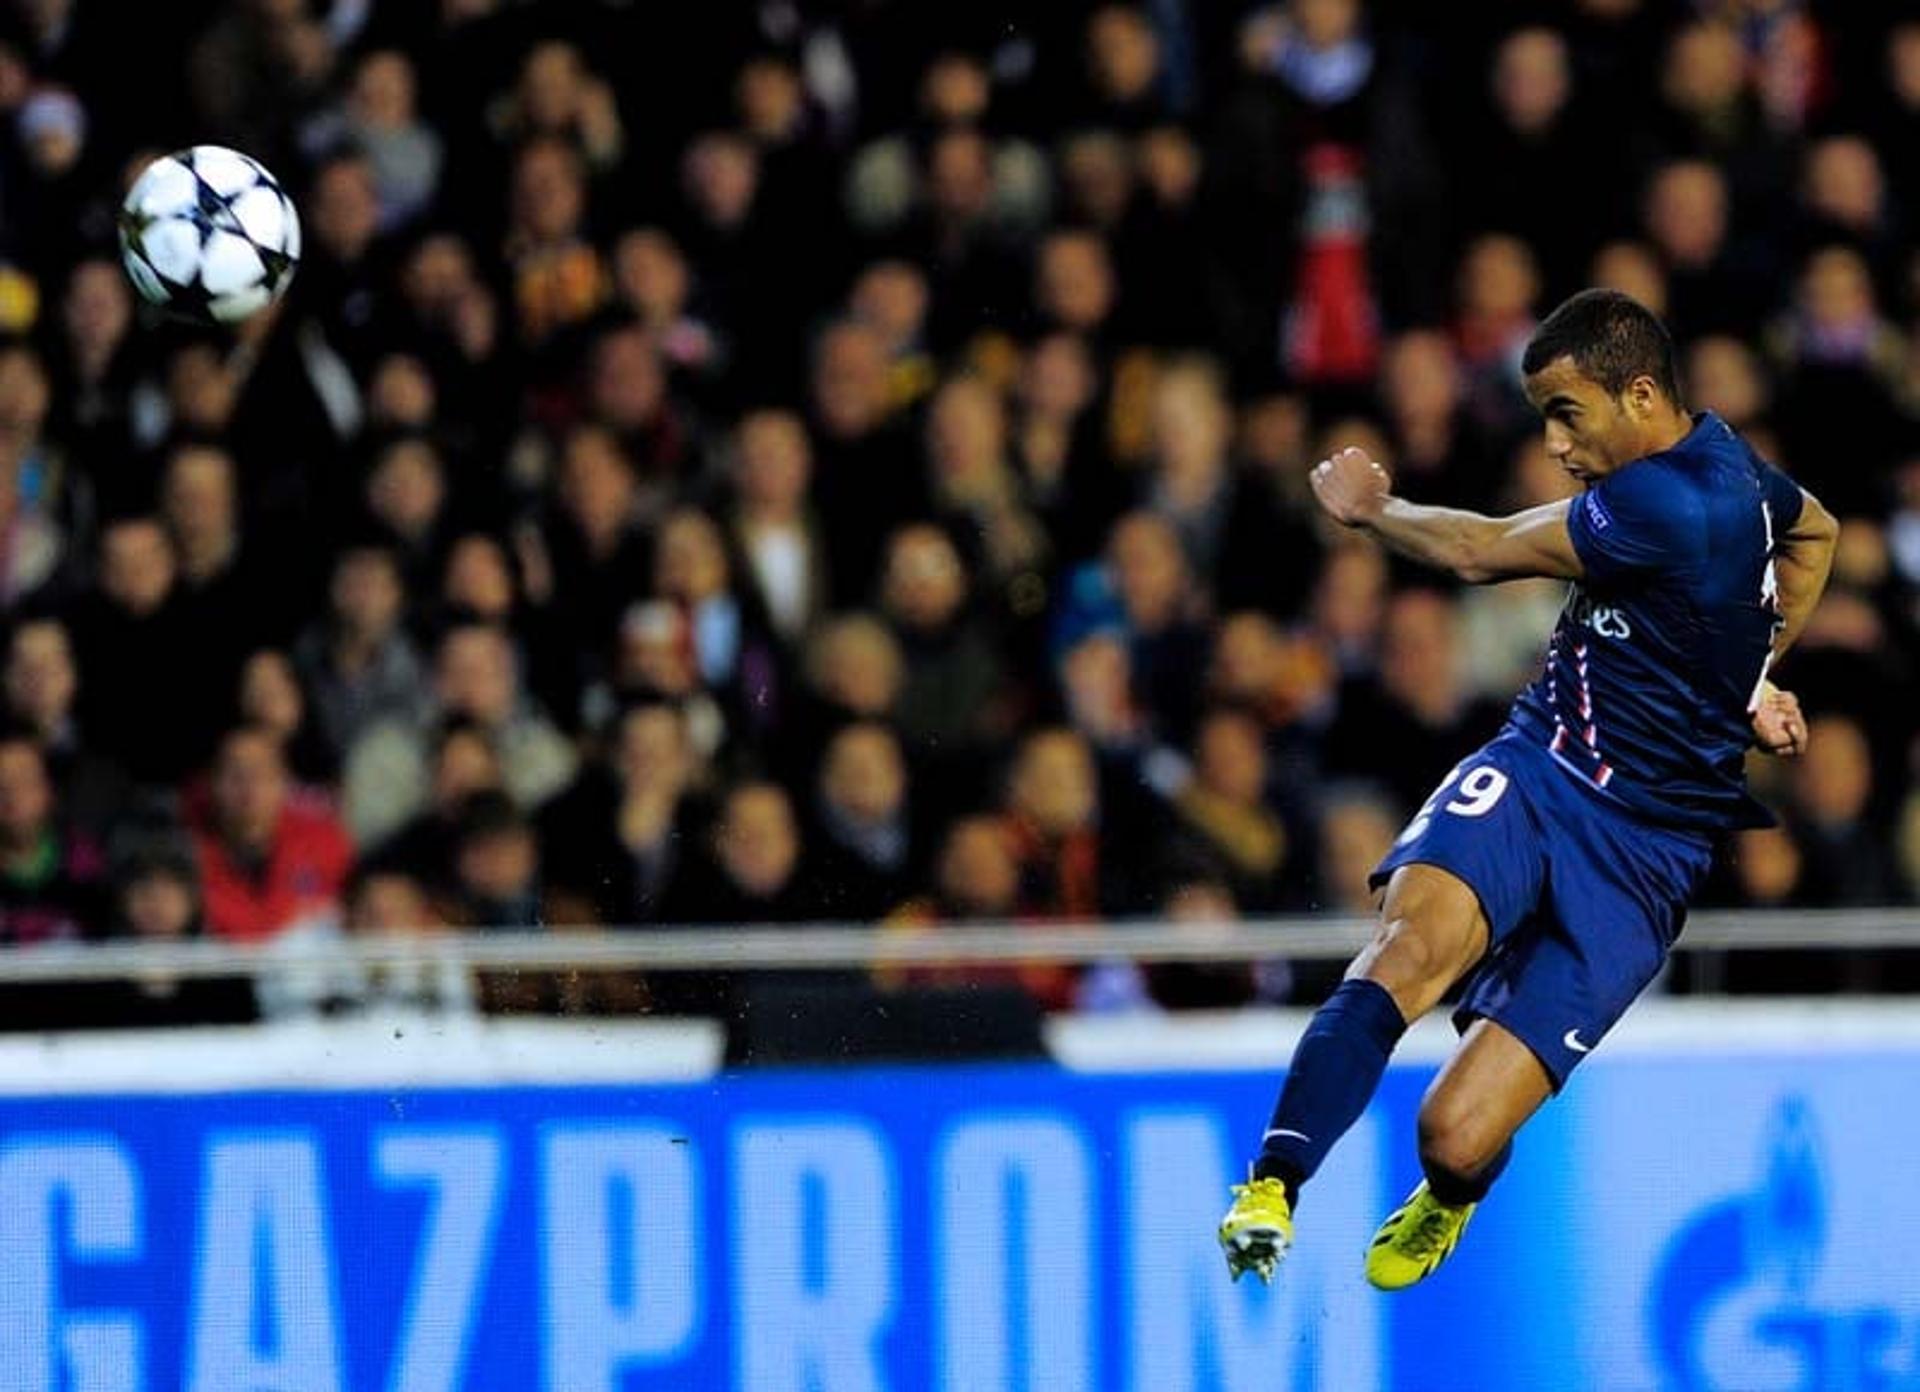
[(845, 459)]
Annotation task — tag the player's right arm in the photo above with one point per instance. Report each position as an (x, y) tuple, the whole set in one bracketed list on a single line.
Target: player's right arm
[(1357, 491)]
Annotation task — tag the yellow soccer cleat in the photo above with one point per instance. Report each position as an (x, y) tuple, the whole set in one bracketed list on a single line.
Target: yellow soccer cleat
[(1415, 1239), (1258, 1229)]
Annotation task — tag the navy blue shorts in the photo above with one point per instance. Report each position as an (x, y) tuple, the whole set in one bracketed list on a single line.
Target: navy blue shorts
[(1584, 899)]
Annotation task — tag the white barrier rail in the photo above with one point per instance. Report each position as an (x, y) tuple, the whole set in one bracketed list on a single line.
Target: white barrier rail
[(843, 946)]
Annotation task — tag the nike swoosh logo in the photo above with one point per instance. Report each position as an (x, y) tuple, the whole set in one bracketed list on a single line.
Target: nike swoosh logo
[(1282, 1131), (1572, 1040)]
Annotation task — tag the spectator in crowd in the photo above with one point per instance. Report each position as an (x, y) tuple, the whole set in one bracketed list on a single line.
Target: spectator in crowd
[(1687, 219), (976, 489), (129, 628), (1161, 610), (1439, 455), (595, 540), (1769, 869), (406, 499), (358, 661), (1053, 812), (1840, 360), (476, 678), (93, 371), (1201, 985), (953, 673), (379, 116), (157, 893), (771, 525), (731, 651), (1349, 605), (496, 865), (271, 698), (559, 279), (890, 297), (1287, 682), (42, 685), (271, 861), (756, 873), (866, 484), (1848, 860), (1495, 299), (976, 879), (627, 395), (629, 829), (341, 262), (1096, 688), (1539, 154), (156, 899), (1074, 289), (1055, 439), (653, 282), (1405, 727), (1726, 376), (866, 851), (1221, 820), (1357, 827), (226, 595), (463, 763), (32, 477), (388, 901), (52, 878), (1634, 269), (559, 97), (1227, 522)]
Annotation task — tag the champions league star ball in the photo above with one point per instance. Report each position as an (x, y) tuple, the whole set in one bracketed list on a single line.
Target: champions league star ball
[(208, 235)]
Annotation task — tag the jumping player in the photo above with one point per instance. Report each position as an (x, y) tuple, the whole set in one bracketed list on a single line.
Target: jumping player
[(1555, 864)]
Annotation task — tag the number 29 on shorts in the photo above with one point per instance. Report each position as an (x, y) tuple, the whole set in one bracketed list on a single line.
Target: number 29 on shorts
[(1473, 795)]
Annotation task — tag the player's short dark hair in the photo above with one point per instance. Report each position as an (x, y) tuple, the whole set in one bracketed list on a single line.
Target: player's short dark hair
[(1611, 337)]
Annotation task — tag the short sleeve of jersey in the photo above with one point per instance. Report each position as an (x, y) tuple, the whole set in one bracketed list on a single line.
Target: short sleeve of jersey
[(1636, 522), (1783, 498)]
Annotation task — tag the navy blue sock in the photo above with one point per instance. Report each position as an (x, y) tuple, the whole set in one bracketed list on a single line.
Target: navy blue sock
[(1332, 1077), (1454, 1190)]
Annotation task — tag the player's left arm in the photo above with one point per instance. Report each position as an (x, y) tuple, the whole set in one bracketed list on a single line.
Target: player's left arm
[(1802, 558)]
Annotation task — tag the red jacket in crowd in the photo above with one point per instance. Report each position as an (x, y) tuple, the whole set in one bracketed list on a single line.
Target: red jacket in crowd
[(302, 876)]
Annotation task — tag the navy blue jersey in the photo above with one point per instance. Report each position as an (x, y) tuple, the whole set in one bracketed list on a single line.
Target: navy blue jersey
[(1657, 657)]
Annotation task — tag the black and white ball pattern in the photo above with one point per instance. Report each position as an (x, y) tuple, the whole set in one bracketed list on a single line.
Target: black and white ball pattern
[(208, 234)]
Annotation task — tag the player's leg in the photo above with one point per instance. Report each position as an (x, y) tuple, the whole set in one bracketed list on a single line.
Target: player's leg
[(1613, 903), (1468, 1119), (1431, 931)]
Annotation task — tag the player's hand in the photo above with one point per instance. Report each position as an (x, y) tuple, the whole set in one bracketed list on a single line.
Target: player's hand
[(1778, 726), (1352, 486)]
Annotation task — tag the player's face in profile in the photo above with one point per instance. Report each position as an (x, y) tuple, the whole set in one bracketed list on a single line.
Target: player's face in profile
[(1590, 432)]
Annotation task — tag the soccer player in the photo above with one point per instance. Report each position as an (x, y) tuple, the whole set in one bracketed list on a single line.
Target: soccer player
[(1553, 867)]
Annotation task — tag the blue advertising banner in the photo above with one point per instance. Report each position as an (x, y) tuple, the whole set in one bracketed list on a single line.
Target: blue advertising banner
[(1701, 1223)]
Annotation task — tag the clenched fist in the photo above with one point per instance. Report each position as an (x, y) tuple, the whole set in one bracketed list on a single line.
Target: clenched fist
[(1352, 486), (1778, 726)]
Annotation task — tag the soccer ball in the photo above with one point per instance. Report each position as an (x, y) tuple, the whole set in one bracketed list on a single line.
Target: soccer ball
[(208, 234)]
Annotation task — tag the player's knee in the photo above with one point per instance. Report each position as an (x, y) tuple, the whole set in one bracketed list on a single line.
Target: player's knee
[(1416, 958), (1414, 945), (1433, 918), (1454, 1142)]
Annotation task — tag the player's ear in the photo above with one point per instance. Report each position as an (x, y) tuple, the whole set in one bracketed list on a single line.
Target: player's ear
[(1642, 397)]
